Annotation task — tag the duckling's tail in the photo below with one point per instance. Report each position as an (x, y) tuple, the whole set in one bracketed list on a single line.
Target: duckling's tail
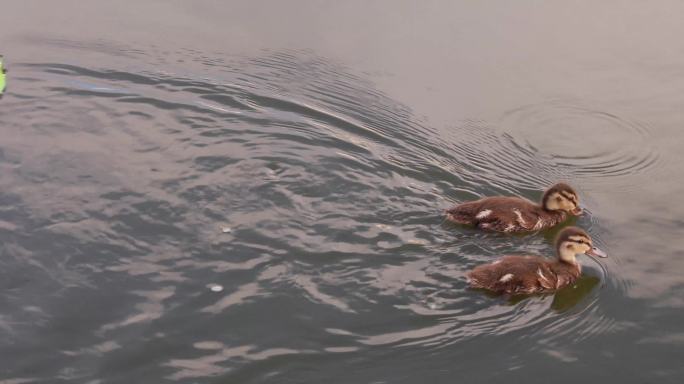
[(461, 214)]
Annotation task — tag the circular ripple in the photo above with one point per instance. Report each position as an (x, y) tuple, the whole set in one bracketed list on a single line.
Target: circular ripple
[(583, 142)]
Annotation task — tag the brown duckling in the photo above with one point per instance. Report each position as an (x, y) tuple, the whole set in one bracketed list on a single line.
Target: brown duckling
[(536, 274), (515, 214)]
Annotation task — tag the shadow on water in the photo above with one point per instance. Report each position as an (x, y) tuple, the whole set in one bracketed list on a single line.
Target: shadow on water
[(570, 296)]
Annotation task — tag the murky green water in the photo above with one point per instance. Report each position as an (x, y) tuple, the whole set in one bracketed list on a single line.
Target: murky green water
[(217, 192)]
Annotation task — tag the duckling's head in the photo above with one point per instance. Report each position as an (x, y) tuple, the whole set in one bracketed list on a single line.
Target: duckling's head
[(572, 241), (561, 197)]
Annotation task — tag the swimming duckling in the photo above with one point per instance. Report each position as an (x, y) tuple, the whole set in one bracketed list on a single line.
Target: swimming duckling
[(536, 274), (515, 214)]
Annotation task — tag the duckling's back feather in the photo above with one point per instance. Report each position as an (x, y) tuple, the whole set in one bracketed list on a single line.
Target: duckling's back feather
[(503, 214), (523, 274)]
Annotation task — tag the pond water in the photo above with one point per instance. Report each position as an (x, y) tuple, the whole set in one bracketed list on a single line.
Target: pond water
[(215, 192)]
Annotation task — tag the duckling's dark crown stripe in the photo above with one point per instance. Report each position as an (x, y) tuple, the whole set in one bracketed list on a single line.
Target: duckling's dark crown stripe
[(577, 238), (568, 196)]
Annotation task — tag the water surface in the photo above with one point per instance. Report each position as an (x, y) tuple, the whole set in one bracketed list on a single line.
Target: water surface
[(254, 193)]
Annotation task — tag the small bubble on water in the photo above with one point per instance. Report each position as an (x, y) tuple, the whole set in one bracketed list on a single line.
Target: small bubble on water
[(215, 287), (431, 303)]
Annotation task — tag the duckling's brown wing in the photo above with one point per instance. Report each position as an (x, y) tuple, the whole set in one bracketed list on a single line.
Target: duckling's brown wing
[(503, 214), (465, 213), (514, 274)]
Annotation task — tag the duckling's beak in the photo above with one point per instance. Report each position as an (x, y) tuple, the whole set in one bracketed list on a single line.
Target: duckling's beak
[(596, 252), (577, 211)]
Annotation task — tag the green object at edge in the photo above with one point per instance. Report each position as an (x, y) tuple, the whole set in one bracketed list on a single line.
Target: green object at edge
[(2, 76)]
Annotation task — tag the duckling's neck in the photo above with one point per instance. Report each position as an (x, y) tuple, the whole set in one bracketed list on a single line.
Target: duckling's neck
[(552, 216), (569, 271), (566, 256)]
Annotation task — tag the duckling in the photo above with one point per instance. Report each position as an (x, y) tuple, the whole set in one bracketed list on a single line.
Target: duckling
[(515, 214), (536, 274)]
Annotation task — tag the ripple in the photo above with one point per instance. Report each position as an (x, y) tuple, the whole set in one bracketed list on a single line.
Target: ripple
[(308, 198), (584, 143), (472, 317)]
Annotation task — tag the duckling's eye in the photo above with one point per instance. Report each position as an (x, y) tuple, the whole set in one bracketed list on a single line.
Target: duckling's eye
[(558, 199)]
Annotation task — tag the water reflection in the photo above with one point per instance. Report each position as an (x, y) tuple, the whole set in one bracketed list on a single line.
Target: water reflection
[(570, 296), (565, 298)]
